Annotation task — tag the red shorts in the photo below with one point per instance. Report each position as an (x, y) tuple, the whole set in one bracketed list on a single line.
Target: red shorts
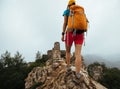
[(77, 39)]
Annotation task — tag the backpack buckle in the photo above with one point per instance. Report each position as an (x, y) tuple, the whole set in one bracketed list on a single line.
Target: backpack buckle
[(74, 32)]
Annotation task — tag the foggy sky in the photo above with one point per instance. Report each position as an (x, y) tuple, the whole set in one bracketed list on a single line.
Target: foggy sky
[(29, 26)]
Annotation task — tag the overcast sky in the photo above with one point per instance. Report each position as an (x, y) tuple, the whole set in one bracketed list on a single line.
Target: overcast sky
[(29, 26)]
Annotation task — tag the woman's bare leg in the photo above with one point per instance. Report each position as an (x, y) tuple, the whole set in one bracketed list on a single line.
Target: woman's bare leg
[(68, 55), (78, 61)]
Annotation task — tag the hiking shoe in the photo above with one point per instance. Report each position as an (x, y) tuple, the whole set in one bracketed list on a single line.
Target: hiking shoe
[(78, 75)]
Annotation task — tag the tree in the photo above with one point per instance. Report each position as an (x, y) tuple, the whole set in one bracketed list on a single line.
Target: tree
[(14, 72), (111, 78), (6, 59), (38, 56), (41, 59), (18, 60), (1, 65)]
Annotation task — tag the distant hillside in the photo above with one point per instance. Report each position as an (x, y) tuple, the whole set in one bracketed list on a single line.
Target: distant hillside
[(94, 58)]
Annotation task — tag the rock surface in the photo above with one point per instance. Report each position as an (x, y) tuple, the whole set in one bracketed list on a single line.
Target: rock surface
[(55, 76)]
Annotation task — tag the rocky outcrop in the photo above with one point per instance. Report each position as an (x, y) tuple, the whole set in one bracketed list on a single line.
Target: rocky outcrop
[(96, 72), (55, 76), (56, 52)]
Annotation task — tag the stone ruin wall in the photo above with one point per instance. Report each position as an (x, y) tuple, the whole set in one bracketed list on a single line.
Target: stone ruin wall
[(56, 53)]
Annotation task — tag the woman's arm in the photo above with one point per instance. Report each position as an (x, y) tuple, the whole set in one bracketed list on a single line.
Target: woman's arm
[(64, 26)]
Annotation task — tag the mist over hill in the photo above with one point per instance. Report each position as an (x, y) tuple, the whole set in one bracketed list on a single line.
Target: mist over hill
[(110, 61)]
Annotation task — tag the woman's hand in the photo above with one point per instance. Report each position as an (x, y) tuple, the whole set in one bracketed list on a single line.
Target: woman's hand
[(62, 38)]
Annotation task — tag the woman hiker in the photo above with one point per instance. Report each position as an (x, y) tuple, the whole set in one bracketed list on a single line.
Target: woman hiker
[(70, 36)]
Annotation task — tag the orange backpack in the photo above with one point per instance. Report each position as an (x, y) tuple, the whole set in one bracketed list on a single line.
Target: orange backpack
[(77, 19)]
